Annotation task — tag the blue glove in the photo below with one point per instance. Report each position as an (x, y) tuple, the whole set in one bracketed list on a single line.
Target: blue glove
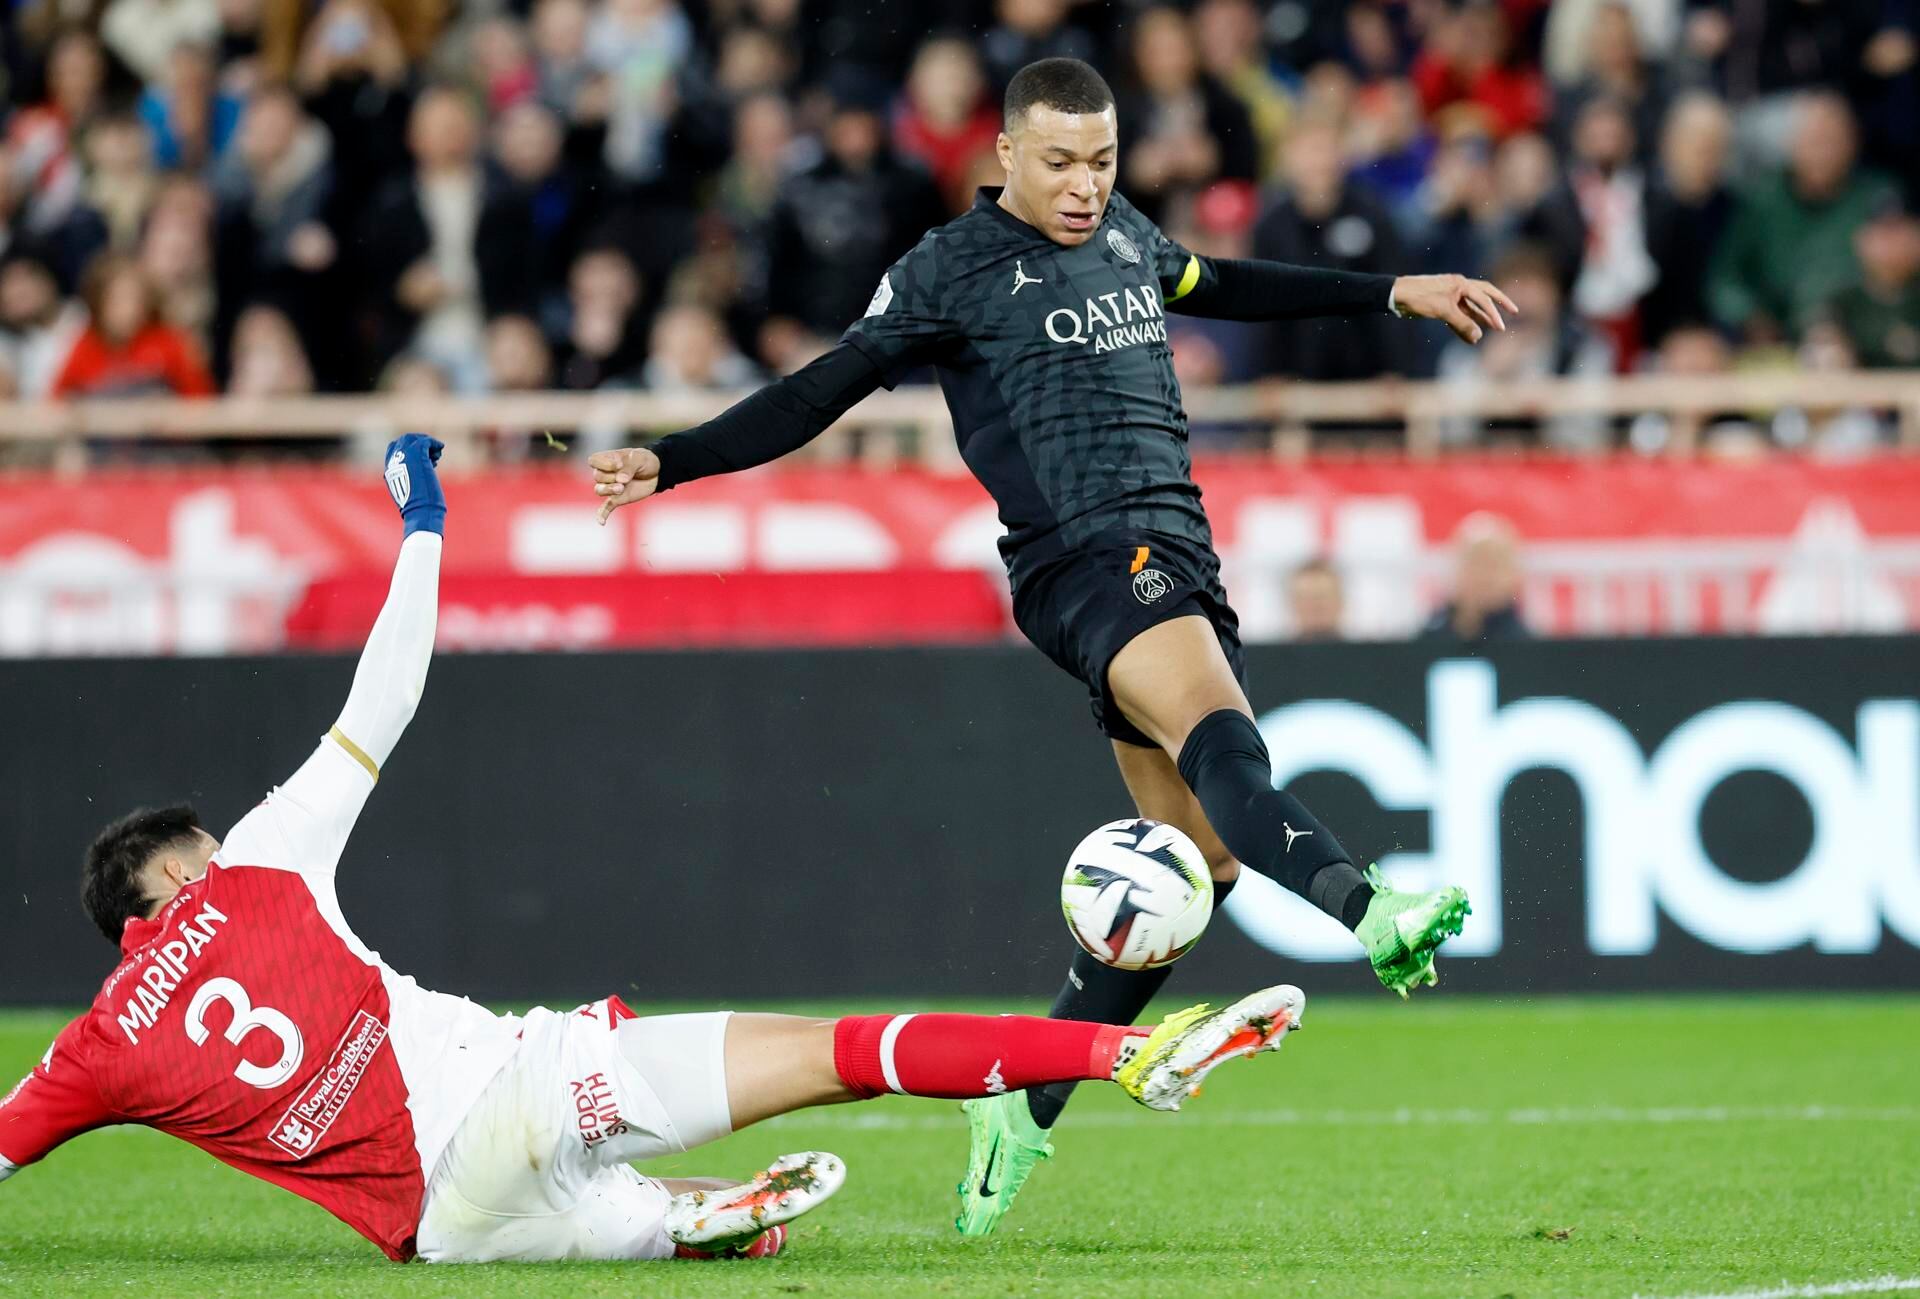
[(414, 484)]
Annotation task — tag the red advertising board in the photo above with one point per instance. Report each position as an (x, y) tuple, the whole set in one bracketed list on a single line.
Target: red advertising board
[(213, 562)]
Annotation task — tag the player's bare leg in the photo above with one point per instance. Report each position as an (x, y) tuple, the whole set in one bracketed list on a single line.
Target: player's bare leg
[(1161, 795), (1173, 681)]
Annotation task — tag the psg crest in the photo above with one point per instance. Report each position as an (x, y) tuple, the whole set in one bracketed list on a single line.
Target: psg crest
[(1150, 584), (1123, 247)]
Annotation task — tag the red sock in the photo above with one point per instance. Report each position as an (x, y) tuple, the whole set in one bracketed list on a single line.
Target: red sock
[(962, 1056)]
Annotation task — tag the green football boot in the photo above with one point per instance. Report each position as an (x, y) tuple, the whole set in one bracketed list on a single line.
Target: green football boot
[(1401, 931), (1007, 1143)]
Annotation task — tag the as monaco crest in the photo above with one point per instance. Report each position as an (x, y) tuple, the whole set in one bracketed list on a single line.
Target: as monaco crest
[(399, 483)]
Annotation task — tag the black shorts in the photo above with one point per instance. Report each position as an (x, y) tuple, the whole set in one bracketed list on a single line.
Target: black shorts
[(1082, 608)]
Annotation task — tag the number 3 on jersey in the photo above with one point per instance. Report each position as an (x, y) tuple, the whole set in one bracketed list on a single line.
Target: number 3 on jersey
[(247, 1016)]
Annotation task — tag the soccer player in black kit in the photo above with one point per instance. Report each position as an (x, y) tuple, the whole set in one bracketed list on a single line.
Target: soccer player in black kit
[(1043, 311)]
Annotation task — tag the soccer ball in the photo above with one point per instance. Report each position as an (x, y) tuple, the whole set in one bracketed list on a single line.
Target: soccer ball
[(1136, 894)]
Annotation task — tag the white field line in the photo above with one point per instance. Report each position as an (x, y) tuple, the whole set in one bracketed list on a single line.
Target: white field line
[(1871, 1285), (893, 1120)]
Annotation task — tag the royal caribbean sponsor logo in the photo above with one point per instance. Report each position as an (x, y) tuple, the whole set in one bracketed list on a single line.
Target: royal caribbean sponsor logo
[(596, 1112), (307, 1120)]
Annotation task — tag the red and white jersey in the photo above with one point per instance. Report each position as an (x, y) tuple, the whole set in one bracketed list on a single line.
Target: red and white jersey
[(248, 1019)]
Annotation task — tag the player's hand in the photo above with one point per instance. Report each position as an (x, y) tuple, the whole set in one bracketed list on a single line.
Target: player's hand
[(1470, 307), (623, 477), (414, 484)]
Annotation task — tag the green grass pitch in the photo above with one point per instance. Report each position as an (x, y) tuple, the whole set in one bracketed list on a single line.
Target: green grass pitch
[(1446, 1148)]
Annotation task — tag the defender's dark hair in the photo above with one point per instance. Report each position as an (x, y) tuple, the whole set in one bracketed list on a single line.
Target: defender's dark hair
[(1067, 85), (111, 889)]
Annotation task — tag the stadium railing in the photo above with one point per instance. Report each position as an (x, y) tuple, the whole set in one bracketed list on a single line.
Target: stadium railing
[(911, 425)]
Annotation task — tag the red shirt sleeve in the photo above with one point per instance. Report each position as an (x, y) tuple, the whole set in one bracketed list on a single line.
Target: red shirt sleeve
[(80, 367), (187, 374), (53, 1104)]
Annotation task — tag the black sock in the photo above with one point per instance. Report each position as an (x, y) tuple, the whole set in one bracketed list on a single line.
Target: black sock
[(1100, 994), (1225, 763)]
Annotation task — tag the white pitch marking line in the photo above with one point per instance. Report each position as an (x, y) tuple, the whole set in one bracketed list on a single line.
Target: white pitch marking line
[(1872, 1285), (884, 1120)]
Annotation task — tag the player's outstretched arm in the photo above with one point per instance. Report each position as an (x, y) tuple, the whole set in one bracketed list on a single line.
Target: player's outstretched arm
[(1230, 289), (392, 673), (303, 825), (781, 417)]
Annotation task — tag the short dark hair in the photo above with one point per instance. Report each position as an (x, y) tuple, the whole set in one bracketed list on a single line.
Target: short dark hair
[(111, 888), (1067, 85)]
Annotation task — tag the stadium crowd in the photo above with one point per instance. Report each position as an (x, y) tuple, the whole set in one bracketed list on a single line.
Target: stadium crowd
[(275, 197)]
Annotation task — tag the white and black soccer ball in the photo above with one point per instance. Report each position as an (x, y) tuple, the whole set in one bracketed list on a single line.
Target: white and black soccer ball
[(1137, 894)]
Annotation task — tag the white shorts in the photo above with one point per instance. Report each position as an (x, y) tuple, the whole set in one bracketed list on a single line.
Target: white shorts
[(538, 1168)]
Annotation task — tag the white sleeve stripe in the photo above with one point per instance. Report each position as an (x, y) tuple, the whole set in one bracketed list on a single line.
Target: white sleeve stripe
[(7, 1169), (888, 1036)]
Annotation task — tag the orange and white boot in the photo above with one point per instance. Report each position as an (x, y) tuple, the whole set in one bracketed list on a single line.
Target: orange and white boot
[(747, 1220), (1170, 1063)]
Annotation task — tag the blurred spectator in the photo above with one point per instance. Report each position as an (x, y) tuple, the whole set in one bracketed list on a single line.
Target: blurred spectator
[(1179, 128), (1689, 350), (605, 338), (1782, 46), (38, 325), (947, 118), (1026, 30), (1789, 247), (1486, 586), (689, 352), (270, 235), (1456, 216), (352, 76), (1232, 53), (751, 62), (1317, 601), (1615, 67), (1688, 207), (762, 154), (126, 349), (1391, 148), (528, 143), (567, 80), (518, 358), (268, 360), (1616, 270), (1373, 46), (639, 45), (412, 375), (176, 253), (121, 181), (1218, 222), (1323, 220), (1567, 50), (446, 246), (1542, 341), (42, 141), (1878, 318), (1477, 202), (1472, 68), (836, 228), (1538, 205), (143, 33), (503, 64), (190, 114)]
